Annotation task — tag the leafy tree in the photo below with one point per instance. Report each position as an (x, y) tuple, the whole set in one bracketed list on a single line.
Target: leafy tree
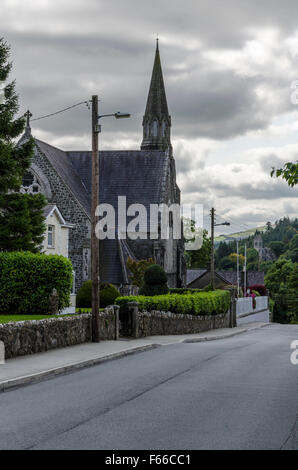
[(227, 264), (137, 269), (278, 248), (265, 266), (277, 281), (200, 258), (21, 219), (293, 292), (269, 226), (288, 172), (241, 258)]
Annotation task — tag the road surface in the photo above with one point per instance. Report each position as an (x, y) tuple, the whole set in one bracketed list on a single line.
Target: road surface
[(236, 393)]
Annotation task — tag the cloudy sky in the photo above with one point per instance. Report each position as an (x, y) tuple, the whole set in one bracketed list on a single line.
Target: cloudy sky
[(228, 68)]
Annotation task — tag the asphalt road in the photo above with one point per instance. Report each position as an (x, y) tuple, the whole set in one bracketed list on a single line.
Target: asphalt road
[(236, 393)]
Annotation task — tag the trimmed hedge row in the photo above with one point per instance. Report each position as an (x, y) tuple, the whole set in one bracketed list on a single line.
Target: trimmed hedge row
[(202, 303), (27, 281)]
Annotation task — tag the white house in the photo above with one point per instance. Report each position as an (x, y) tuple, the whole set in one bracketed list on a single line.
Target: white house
[(56, 241)]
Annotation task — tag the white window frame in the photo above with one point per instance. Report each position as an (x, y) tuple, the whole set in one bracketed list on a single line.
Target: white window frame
[(52, 232)]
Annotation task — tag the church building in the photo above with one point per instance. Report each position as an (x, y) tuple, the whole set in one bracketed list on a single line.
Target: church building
[(146, 176)]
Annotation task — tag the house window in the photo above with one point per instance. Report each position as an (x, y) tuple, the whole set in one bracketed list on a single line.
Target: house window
[(51, 236)]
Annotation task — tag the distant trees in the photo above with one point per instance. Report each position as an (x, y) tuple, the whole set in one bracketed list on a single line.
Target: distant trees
[(277, 247)]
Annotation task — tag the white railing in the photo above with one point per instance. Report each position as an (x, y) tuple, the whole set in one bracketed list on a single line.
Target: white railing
[(244, 305), (261, 303)]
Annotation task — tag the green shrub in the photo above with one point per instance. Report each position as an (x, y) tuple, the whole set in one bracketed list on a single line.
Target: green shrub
[(84, 296), (155, 281), (108, 294), (27, 280), (202, 303)]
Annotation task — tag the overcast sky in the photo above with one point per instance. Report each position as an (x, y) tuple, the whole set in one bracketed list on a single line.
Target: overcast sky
[(228, 68)]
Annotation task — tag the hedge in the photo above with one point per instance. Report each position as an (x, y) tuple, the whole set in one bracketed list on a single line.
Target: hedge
[(202, 303), (108, 294), (27, 280)]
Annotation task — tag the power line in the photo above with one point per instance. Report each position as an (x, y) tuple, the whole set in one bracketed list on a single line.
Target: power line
[(61, 111)]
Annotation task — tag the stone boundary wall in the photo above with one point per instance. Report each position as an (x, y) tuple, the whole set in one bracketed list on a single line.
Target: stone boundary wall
[(34, 336), (167, 323)]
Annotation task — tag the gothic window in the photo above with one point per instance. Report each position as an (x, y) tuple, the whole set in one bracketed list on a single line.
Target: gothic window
[(154, 128), (163, 128), (31, 184), (147, 130)]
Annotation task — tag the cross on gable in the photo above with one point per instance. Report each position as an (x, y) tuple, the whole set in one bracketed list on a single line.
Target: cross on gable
[(28, 115)]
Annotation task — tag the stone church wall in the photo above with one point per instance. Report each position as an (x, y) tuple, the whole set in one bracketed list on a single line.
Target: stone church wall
[(73, 212)]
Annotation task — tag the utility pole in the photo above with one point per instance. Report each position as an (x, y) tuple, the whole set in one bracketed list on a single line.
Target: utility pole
[(244, 270), (212, 213), (94, 218), (237, 244)]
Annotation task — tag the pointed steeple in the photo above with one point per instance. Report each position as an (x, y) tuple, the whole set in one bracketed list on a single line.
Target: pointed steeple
[(156, 121)]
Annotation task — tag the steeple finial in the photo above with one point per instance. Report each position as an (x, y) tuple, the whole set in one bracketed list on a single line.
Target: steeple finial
[(156, 121), (28, 115)]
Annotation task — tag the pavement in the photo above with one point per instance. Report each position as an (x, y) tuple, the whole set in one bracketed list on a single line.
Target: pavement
[(236, 393), (25, 370)]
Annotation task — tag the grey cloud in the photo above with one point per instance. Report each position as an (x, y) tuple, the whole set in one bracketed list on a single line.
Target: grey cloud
[(272, 160)]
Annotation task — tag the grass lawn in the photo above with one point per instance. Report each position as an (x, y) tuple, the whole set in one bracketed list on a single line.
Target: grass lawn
[(8, 318), (86, 309)]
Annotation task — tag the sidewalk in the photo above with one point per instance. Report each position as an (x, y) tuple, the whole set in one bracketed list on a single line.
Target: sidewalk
[(28, 369)]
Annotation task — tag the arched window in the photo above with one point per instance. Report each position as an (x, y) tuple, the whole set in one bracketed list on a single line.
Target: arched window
[(163, 128), (154, 128), (31, 184), (146, 131)]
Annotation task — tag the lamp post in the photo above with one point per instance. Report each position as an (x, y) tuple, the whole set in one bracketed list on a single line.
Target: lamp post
[(96, 129), (213, 224)]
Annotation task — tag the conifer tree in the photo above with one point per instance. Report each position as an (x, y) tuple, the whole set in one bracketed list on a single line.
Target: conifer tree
[(21, 218)]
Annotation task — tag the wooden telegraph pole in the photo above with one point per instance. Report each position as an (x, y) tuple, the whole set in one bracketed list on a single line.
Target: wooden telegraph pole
[(212, 213), (94, 219)]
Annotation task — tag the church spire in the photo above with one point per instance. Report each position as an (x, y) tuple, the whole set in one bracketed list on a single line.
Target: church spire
[(156, 121)]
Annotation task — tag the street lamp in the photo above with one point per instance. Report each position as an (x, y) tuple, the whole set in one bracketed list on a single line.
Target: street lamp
[(213, 224), (96, 129)]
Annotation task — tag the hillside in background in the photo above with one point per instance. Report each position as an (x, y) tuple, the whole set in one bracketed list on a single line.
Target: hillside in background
[(238, 235)]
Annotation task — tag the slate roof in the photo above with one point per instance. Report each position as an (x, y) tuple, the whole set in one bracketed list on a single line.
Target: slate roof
[(47, 209), (193, 274), (253, 277), (62, 164), (136, 174)]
